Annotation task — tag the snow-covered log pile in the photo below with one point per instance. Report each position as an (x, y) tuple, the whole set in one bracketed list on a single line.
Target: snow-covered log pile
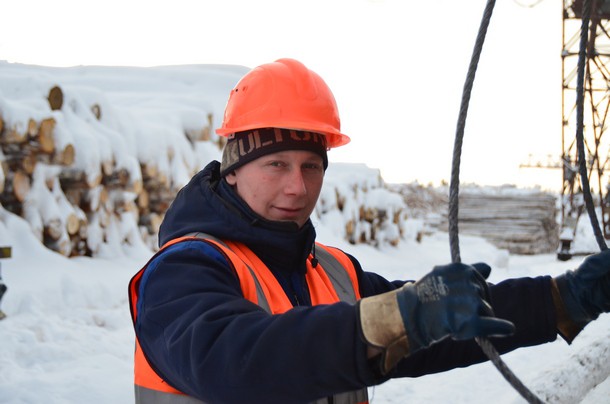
[(426, 204), (356, 202), (520, 221), (93, 156)]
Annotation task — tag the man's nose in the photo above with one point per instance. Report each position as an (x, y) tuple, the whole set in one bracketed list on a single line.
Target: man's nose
[(296, 183)]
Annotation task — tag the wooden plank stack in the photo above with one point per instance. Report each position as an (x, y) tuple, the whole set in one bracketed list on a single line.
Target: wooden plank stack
[(521, 222)]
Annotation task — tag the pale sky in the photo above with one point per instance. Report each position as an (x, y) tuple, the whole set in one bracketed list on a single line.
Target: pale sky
[(396, 67)]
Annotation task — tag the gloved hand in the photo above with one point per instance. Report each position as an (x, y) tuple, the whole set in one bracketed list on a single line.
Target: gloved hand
[(451, 301), (585, 292)]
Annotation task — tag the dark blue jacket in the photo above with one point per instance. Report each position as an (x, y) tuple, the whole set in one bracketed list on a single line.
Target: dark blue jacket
[(205, 339)]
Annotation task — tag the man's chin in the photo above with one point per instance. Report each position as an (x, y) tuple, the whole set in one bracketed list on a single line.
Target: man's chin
[(286, 224), (297, 223)]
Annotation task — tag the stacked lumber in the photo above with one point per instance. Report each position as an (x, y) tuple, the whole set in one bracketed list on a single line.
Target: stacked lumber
[(520, 222), (72, 210)]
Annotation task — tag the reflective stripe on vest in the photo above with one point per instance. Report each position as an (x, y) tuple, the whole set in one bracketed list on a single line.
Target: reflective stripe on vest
[(333, 280)]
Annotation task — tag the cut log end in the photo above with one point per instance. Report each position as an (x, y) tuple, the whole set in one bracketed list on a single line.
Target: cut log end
[(72, 224), (45, 135), (55, 98), (20, 185)]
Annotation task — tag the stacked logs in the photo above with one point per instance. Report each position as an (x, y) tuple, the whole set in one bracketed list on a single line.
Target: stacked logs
[(71, 211), (22, 150), (372, 213)]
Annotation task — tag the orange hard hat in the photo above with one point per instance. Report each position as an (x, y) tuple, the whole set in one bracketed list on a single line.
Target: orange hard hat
[(283, 94)]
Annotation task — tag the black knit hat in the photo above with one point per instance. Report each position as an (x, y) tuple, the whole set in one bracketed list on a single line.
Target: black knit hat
[(244, 147)]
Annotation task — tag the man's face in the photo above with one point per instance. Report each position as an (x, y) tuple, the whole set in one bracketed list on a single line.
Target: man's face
[(282, 186)]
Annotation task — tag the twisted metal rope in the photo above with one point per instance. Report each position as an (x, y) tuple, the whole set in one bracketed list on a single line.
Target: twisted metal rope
[(580, 143), (484, 343)]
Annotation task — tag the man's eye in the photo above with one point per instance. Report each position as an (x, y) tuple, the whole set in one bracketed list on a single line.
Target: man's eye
[(313, 166)]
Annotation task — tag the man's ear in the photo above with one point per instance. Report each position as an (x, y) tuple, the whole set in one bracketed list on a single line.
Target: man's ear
[(231, 178)]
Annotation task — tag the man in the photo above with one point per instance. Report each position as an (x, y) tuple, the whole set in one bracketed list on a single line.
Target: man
[(242, 306)]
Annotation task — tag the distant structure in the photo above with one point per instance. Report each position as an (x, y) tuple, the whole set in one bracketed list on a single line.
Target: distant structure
[(595, 120), (596, 109)]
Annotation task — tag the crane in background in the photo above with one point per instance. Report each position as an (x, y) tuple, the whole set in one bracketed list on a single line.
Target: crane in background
[(595, 119), (595, 125)]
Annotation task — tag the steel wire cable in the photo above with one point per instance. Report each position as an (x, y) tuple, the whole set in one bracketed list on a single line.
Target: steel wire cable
[(580, 142), (484, 343)]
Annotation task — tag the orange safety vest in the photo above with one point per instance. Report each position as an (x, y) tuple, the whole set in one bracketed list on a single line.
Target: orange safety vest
[(334, 279)]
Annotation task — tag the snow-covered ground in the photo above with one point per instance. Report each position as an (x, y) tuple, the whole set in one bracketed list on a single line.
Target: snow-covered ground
[(68, 335)]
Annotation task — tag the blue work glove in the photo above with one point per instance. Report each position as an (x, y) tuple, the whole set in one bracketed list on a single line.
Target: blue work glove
[(451, 301), (585, 292)]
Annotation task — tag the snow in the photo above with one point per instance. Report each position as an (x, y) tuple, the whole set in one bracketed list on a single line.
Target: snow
[(68, 336)]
